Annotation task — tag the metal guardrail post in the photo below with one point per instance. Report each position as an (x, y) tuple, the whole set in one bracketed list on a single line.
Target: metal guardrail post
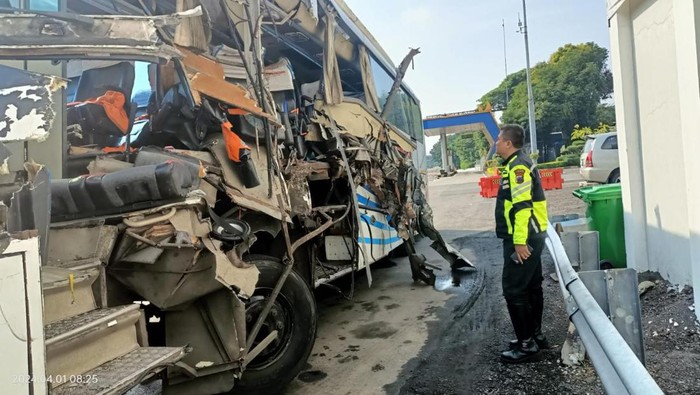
[(617, 294), (616, 364)]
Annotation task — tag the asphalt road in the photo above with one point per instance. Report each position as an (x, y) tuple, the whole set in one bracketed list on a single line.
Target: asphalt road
[(401, 337)]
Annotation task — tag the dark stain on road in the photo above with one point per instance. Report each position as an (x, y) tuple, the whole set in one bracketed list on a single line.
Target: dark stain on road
[(384, 297), (349, 358), (392, 306), (370, 307), (378, 367), (375, 330), (352, 348), (312, 376)]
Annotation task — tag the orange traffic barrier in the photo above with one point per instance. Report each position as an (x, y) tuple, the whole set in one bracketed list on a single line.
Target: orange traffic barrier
[(552, 178), (489, 186)]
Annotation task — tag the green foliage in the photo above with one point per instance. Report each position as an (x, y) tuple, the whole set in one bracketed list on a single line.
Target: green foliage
[(580, 133), (569, 160), (467, 149), (497, 97), (494, 162), (568, 90), (435, 156), (605, 114), (574, 148), (549, 165)]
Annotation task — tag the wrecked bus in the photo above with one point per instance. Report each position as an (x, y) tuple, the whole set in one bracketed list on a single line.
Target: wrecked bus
[(191, 170)]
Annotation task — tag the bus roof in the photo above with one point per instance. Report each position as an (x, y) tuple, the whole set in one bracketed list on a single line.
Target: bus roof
[(352, 25)]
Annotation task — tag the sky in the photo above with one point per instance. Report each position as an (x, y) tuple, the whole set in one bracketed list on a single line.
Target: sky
[(461, 41)]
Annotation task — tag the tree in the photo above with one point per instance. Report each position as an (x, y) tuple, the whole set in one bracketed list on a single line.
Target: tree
[(568, 90), (467, 149), (497, 97), (481, 145), (435, 156), (605, 114)]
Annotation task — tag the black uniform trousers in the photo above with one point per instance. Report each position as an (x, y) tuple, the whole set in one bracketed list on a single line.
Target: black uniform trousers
[(521, 280)]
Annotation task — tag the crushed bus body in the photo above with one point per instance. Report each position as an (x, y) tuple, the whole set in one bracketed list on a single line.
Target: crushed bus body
[(216, 162)]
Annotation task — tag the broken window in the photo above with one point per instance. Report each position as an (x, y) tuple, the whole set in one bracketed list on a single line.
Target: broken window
[(405, 113), (101, 112)]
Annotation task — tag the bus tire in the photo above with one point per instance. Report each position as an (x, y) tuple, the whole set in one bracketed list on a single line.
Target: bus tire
[(293, 315)]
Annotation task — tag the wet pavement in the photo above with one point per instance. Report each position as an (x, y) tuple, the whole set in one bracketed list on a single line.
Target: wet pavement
[(365, 341)]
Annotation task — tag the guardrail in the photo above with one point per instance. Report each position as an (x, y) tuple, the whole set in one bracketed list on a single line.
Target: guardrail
[(619, 369)]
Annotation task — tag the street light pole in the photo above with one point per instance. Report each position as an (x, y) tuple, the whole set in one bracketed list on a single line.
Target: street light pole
[(530, 97)]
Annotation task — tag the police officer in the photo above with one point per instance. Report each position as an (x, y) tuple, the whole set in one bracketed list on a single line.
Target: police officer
[(521, 221)]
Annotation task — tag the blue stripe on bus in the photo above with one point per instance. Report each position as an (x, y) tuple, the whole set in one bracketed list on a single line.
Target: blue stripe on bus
[(366, 202), (369, 240), (376, 224), (366, 187)]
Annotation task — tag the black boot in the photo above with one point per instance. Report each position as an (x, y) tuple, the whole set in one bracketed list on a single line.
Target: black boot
[(522, 352), (539, 338), (526, 347), (537, 306)]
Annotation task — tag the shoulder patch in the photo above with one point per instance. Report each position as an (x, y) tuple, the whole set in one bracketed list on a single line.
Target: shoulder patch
[(519, 176)]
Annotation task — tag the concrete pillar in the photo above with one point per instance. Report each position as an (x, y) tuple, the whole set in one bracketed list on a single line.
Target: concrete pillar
[(443, 149), (687, 24), (629, 137)]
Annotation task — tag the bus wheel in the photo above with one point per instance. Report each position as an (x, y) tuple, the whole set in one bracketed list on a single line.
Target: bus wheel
[(293, 315)]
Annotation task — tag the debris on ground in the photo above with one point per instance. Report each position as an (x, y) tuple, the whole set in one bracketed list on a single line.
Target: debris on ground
[(645, 286)]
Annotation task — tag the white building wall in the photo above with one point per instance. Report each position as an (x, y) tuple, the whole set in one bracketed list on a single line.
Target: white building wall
[(654, 51)]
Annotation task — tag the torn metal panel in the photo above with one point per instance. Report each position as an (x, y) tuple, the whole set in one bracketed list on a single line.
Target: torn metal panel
[(357, 119), (145, 53), (96, 243), (26, 105), (196, 63), (299, 193), (252, 198), (61, 37), (232, 272), (400, 73), (55, 30), (30, 207), (207, 78), (332, 84), (193, 33), (229, 93), (262, 223), (298, 185), (454, 257), (188, 221), (313, 170)]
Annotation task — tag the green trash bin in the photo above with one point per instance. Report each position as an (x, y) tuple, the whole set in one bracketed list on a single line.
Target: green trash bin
[(605, 211)]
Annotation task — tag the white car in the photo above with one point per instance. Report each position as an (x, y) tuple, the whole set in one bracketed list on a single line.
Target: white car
[(599, 159)]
